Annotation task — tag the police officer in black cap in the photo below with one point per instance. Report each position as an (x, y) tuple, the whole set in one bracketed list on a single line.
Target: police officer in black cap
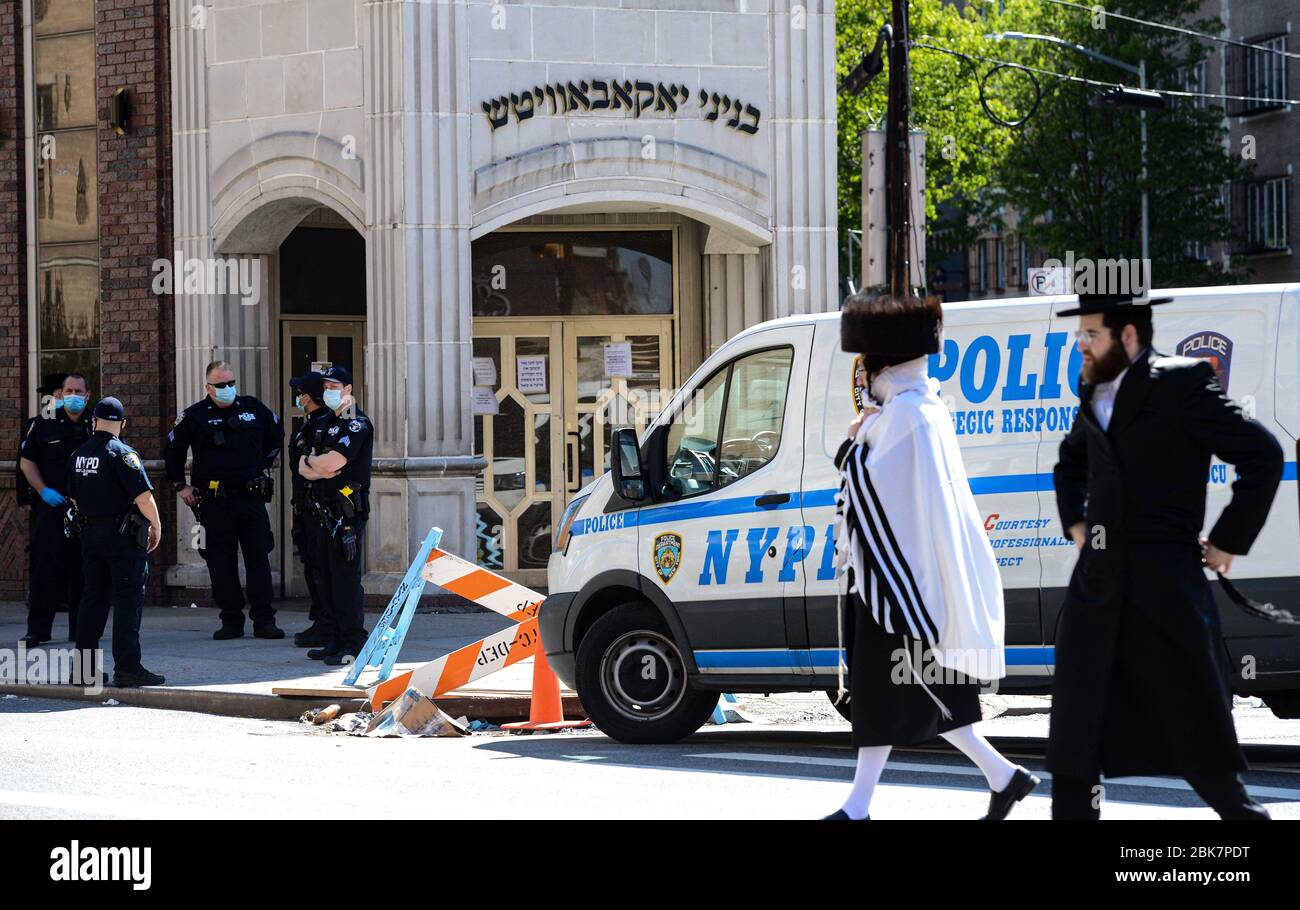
[(337, 471), (309, 392), (235, 439), (119, 528), (43, 459), (51, 399)]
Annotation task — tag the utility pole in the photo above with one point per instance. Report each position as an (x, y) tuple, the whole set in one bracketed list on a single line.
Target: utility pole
[(898, 171)]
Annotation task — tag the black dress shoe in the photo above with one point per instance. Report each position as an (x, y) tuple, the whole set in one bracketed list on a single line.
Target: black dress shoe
[(267, 630), (839, 815), (32, 641), (135, 678), (228, 631), (1001, 801), (323, 652), (312, 637)]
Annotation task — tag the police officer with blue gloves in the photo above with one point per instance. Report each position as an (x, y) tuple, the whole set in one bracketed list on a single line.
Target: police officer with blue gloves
[(43, 459), (309, 390), (119, 528), (337, 471), (51, 399), (235, 439)]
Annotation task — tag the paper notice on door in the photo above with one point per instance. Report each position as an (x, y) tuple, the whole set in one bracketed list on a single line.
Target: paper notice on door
[(618, 359), (485, 400), (530, 374), (485, 373)]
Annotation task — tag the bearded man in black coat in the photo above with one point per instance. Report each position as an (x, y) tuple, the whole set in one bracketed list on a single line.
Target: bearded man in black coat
[(1141, 684)]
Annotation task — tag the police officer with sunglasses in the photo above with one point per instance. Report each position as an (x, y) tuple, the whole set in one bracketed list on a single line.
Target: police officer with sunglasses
[(235, 440)]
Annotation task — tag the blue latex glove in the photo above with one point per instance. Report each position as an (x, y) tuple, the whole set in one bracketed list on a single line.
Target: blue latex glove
[(53, 497)]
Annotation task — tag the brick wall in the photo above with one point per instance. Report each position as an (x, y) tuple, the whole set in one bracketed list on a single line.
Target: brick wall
[(135, 228), (14, 378)]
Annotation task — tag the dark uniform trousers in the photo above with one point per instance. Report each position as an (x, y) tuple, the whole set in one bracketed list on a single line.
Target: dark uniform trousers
[(231, 524), (116, 568), (339, 581), (56, 573), (302, 522)]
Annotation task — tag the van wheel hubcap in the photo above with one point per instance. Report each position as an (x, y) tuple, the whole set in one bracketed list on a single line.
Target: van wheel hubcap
[(642, 675)]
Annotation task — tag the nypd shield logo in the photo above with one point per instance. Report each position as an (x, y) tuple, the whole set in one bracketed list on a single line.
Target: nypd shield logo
[(668, 555), (1211, 346)]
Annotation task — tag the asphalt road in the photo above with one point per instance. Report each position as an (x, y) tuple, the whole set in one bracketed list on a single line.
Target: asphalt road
[(73, 760)]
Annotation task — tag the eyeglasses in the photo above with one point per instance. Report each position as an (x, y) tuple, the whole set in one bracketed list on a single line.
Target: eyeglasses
[(1087, 336), (222, 385)]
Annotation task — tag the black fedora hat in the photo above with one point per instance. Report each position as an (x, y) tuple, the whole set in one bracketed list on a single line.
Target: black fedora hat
[(1107, 303)]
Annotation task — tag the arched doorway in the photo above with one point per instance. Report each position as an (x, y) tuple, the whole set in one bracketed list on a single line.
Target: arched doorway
[(320, 273)]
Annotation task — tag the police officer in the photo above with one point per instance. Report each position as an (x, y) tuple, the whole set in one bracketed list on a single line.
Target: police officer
[(309, 390), (51, 397), (43, 459), (119, 528), (337, 471), (235, 439)]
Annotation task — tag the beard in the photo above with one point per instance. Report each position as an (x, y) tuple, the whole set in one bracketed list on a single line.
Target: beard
[(1110, 365)]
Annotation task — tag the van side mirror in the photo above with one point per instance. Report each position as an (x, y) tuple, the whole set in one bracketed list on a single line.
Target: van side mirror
[(625, 464)]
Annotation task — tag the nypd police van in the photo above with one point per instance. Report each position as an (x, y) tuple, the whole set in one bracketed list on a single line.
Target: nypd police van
[(703, 562)]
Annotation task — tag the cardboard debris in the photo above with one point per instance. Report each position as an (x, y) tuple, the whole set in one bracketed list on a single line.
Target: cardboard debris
[(414, 714)]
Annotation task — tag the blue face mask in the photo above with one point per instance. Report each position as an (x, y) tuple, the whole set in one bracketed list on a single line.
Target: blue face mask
[(333, 398), (226, 395), (74, 403), (58, 403)]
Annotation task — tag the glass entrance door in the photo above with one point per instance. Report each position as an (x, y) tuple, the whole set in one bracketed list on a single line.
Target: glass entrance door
[(305, 345), (545, 405)]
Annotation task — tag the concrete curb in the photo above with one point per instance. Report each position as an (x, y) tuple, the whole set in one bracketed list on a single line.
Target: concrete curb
[(494, 708)]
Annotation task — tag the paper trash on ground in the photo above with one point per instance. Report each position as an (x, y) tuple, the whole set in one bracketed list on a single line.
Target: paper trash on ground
[(414, 715)]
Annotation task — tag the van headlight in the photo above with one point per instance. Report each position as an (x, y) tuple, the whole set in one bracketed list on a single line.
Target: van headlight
[(566, 524)]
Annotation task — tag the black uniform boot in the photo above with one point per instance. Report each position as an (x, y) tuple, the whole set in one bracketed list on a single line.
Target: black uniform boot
[(267, 629), (230, 628), (324, 651), (312, 637), (132, 679)]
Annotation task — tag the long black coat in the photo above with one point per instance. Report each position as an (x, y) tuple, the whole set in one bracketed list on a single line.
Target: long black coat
[(1141, 682)]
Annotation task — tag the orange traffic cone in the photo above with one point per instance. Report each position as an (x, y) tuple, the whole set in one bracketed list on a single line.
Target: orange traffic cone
[(546, 711)]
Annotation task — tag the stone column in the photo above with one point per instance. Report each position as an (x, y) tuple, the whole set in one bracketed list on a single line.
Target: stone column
[(804, 262), (418, 276)]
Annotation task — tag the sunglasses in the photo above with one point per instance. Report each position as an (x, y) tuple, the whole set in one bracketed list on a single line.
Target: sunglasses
[(222, 385)]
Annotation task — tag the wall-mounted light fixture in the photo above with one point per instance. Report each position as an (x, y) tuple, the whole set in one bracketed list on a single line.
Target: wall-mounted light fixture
[(119, 111)]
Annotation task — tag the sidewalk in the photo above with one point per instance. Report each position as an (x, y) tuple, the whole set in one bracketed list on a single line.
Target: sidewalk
[(237, 677)]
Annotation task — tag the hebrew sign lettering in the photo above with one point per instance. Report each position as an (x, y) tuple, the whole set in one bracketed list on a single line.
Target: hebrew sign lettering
[(631, 97)]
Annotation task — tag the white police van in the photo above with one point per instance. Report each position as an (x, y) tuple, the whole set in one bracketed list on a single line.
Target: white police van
[(703, 563)]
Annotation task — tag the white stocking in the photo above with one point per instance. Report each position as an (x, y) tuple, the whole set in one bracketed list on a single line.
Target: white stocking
[(871, 763), (997, 770)]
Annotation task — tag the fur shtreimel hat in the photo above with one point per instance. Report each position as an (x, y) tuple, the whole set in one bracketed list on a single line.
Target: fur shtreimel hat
[(878, 323)]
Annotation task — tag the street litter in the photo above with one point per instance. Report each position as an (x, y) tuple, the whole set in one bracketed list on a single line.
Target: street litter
[(11, 696), (320, 716), (412, 715), (112, 701)]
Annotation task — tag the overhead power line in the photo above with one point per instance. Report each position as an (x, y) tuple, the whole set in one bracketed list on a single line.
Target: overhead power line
[(1099, 83), (1178, 29)]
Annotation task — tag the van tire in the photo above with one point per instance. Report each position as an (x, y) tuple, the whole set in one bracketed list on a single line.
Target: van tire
[(1285, 704), (632, 680)]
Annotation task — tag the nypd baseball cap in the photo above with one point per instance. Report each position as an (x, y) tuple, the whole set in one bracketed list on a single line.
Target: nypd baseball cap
[(110, 409), (337, 374), (311, 382)]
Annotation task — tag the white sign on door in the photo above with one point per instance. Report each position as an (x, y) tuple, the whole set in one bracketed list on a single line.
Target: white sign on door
[(530, 374), (618, 359), (485, 372), (485, 401)]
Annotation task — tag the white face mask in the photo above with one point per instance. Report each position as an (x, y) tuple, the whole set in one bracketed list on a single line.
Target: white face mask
[(333, 398)]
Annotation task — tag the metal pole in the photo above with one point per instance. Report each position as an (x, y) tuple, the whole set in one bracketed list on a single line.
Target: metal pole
[(898, 157), (1146, 225)]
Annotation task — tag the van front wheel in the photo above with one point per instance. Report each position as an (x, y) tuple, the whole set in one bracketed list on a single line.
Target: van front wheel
[(632, 679)]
